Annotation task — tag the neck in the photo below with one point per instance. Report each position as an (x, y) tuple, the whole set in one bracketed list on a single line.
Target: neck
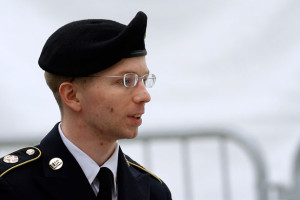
[(99, 149)]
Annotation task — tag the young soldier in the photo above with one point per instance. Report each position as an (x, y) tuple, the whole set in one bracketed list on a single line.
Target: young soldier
[(97, 72)]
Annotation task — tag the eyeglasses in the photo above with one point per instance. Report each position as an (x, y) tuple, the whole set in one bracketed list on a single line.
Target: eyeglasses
[(131, 79)]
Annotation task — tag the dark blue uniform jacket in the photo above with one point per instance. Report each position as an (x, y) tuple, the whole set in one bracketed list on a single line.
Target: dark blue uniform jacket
[(32, 178)]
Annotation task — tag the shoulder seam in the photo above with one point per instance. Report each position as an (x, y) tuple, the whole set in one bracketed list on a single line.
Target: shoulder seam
[(28, 161), (142, 168)]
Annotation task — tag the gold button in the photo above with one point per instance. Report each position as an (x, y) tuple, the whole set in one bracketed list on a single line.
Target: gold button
[(30, 151), (56, 163)]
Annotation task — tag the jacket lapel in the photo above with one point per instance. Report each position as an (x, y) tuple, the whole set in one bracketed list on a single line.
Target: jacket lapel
[(132, 185), (68, 182)]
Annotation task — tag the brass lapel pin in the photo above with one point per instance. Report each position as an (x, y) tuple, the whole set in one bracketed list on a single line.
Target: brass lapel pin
[(56, 163)]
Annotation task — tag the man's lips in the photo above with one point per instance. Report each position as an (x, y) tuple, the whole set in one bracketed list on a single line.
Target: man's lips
[(137, 116), (135, 120)]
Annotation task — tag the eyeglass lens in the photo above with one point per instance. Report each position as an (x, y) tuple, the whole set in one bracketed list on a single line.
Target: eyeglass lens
[(131, 79)]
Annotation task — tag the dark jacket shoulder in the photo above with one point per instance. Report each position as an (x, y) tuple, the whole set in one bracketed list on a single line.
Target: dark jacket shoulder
[(140, 168), (18, 159), (158, 187), (16, 169)]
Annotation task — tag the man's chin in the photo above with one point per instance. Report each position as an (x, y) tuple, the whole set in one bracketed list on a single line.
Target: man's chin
[(131, 134)]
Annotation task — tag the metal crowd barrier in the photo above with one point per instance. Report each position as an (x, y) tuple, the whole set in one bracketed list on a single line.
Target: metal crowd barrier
[(246, 143)]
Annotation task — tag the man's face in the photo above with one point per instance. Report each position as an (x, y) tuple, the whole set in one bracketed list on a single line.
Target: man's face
[(109, 109)]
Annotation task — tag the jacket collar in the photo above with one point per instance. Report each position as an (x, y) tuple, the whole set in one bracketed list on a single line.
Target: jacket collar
[(69, 182), (132, 184)]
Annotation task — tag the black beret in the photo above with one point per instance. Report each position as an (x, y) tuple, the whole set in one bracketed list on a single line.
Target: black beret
[(84, 47)]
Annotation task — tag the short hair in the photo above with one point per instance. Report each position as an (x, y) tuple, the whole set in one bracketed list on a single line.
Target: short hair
[(54, 81)]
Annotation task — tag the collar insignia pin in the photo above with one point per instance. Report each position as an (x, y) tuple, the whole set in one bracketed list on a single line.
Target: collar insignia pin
[(10, 159), (56, 163)]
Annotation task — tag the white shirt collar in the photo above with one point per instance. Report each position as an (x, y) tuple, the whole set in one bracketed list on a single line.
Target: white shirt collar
[(89, 167)]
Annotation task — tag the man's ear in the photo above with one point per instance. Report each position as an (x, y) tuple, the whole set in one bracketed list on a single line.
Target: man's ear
[(68, 95)]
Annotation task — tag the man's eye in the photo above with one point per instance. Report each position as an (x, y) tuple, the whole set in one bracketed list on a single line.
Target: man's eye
[(128, 81), (121, 81)]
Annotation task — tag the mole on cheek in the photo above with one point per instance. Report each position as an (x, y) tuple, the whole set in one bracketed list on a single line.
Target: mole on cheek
[(111, 109)]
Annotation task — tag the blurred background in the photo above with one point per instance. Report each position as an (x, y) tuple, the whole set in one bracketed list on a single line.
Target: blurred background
[(225, 65)]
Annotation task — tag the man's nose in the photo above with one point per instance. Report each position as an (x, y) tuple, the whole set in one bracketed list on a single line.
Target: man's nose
[(141, 95)]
